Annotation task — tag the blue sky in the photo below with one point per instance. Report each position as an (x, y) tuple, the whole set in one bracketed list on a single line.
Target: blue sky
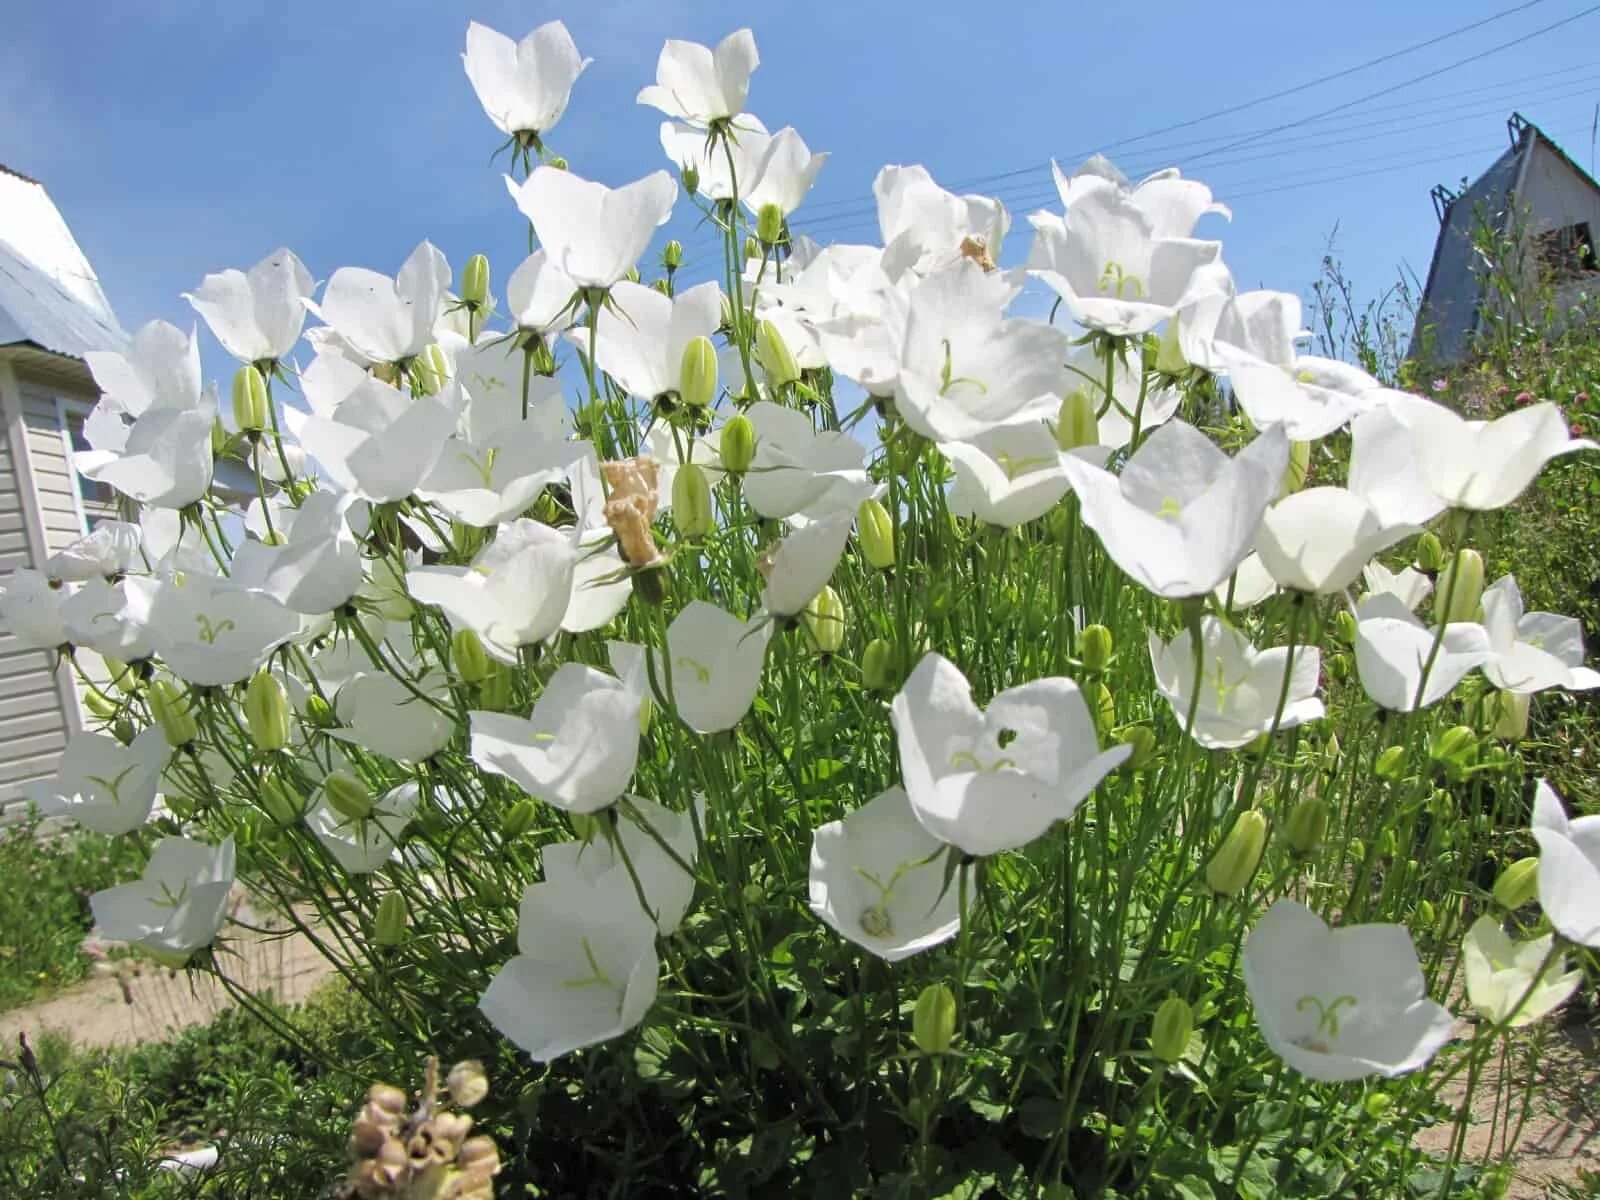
[(180, 138)]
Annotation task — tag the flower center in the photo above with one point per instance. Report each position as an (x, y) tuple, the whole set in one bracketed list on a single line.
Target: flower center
[(971, 762), (948, 379), (875, 921), (701, 671), (1116, 279), (1327, 1021), (113, 784), (209, 633)]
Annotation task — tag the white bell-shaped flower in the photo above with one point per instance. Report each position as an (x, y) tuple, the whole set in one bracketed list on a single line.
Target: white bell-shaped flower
[(1238, 686), (1318, 540), (801, 565), (1501, 972), (995, 779), (209, 631), (1394, 647), (363, 844), (177, 906), (386, 320), (1408, 585), (384, 716), (925, 228), (799, 469), (1012, 475), (878, 879), (257, 314), (715, 663), (539, 295), (317, 569), (523, 86), (700, 85), (160, 369), (1533, 651), (668, 888), (1341, 1004), (106, 786), (1310, 397), (31, 610), (785, 174), (110, 548), (1569, 868), (113, 619), (640, 335), (593, 234)]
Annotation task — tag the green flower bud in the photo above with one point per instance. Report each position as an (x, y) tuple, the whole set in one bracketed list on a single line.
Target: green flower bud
[(390, 927), (475, 281), (941, 598), (1518, 884), (281, 802), (557, 161), (1143, 740), (468, 657), (100, 704), (249, 399), (753, 893), (430, 370), (697, 373), (585, 826), (172, 709), (1456, 749), (1391, 764), (122, 729), (1377, 1103), (1169, 354), (933, 1022), (672, 255), (1095, 647), (824, 620), (125, 678), (769, 224), (320, 713), (1358, 850), (520, 818), (1460, 585), (266, 711), (691, 180), (1170, 1032), (875, 531), (1430, 553), (1510, 711), (1388, 844), (738, 444), (1294, 475), (1425, 913), (752, 248), (1330, 754), (692, 512), (1076, 423), (219, 437), (1345, 625), (1234, 864), (877, 665), (1307, 825), (1104, 706), (496, 692), (773, 353), (347, 795)]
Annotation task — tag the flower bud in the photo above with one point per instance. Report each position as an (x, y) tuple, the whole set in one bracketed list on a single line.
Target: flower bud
[(219, 437), (1095, 646), (1377, 1103), (1425, 913), (824, 620), (1331, 750), (122, 675), (691, 180), (347, 795), (100, 704), (475, 281), (1104, 706), (1456, 749), (1307, 825), (1170, 1032), (1234, 864), (933, 1022), (390, 927), (1430, 553), (172, 711), (692, 512), (1391, 764), (877, 665), (496, 692), (773, 353), (468, 656), (1169, 353), (1143, 740), (752, 248), (556, 161), (875, 531), (1510, 711), (672, 255), (769, 224), (1294, 475), (520, 818), (738, 444), (468, 1083), (1388, 844), (266, 711), (122, 729), (1076, 423), (1518, 884), (249, 399), (1345, 626), (320, 713), (281, 802), (430, 370), (1460, 586), (697, 373), (1358, 850)]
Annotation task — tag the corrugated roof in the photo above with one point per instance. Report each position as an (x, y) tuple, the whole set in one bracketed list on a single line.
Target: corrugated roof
[(49, 295)]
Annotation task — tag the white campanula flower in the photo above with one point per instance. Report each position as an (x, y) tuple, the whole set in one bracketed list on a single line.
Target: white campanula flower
[(723, 168), (586, 971), (160, 369), (113, 619), (796, 468), (784, 175), (210, 631), (523, 86), (1384, 467), (1318, 540), (1259, 327), (1248, 586), (1409, 585), (995, 779), (1533, 651), (668, 888), (878, 879), (385, 716), (1110, 267), (1011, 475), (256, 314), (1131, 395), (1238, 686), (600, 584), (801, 565), (539, 295), (697, 84), (578, 747), (386, 320), (715, 663), (1172, 204), (593, 234), (110, 548), (1500, 972), (1182, 515), (1341, 1004), (317, 568), (1310, 397), (514, 594), (1569, 868), (363, 844), (106, 786), (31, 610), (640, 335), (177, 906), (1393, 648), (374, 440), (964, 368), (925, 227)]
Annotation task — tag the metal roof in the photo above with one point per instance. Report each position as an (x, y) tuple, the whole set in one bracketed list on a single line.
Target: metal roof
[(49, 295)]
